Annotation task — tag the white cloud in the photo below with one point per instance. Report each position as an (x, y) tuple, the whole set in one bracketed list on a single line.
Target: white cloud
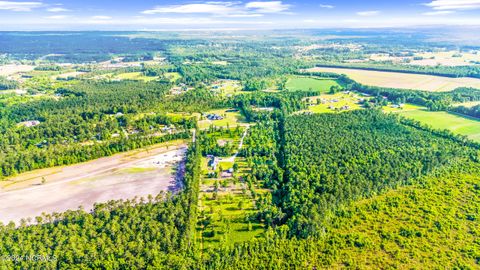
[(454, 4), (57, 9), (209, 7), (224, 9), (440, 12), (100, 17), (57, 17), (19, 6), (170, 21), (326, 6), (268, 7), (368, 13)]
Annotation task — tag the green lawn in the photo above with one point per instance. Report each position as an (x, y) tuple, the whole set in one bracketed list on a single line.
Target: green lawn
[(173, 76), (136, 76), (231, 119), (297, 83), (342, 99), (224, 216), (443, 120)]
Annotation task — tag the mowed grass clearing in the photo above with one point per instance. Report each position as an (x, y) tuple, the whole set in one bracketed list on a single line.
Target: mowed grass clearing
[(231, 118), (135, 76), (335, 103), (403, 80), (173, 76), (457, 124), (299, 83)]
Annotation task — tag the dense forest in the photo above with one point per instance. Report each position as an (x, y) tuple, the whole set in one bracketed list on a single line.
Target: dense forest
[(333, 159)]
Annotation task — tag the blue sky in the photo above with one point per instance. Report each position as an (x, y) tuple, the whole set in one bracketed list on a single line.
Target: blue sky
[(160, 14)]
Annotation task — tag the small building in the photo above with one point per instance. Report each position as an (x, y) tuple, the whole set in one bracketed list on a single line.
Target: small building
[(213, 162)]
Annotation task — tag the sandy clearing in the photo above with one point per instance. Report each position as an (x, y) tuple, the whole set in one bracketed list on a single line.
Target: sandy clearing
[(124, 176), (403, 80), (7, 70)]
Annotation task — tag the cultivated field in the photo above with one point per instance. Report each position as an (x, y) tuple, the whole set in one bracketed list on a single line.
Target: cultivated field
[(304, 83), (123, 176), (403, 80)]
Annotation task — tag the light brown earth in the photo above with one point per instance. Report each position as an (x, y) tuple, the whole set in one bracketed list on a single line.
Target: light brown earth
[(124, 176), (403, 80), (7, 70)]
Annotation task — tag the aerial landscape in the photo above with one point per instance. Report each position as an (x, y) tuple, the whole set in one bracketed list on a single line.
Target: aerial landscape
[(240, 134)]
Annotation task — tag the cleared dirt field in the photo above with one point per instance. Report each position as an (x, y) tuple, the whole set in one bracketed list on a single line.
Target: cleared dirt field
[(7, 70), (403, 80), (123, 176)]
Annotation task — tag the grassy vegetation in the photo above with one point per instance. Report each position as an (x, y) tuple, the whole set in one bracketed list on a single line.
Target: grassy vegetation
[(458, 124), (335, 103), (434, 224), (297, 83), (226, 203), (173, 76), (230, 118), (136, 76), (227, 87)]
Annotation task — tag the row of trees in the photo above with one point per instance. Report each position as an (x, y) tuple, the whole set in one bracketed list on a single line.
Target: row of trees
[(445, 71), (470, 111)]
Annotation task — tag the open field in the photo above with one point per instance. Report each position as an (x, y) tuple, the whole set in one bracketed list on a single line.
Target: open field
[(136, 76), (450, 58), (123, 176), (335, 103), (172, 76), (12, 69), (304, 83), (443, 120), (403, 80), (226, 87), (64, 76), (230, 118)]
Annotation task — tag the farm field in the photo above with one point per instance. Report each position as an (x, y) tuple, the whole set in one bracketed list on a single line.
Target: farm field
[(231, 118), (443, 120), (297, 83), (403, 80), (122, 176)]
